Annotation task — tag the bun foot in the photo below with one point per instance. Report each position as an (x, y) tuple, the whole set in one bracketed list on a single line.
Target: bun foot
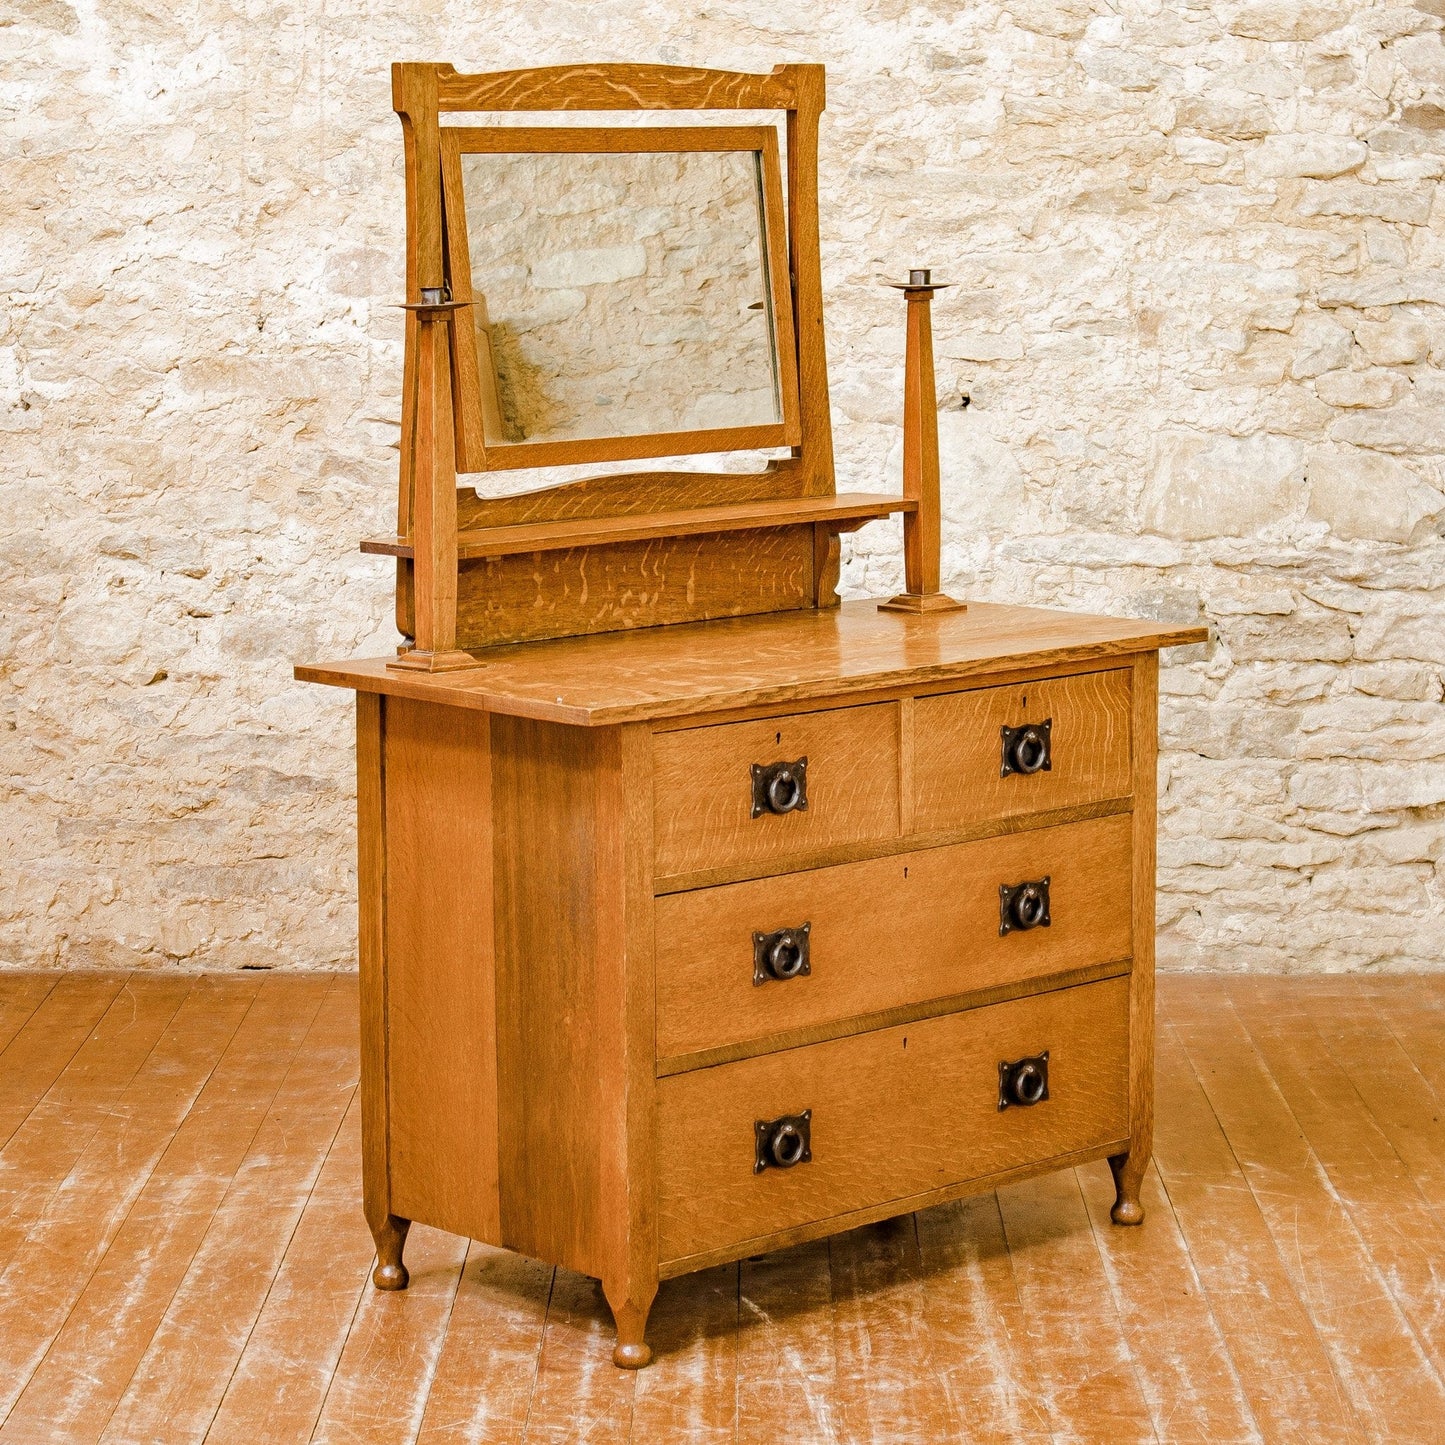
[(631, 1357), (390, 1276), (629, 1313), (1127, 1211), (1128, 1176), (390, 1236)]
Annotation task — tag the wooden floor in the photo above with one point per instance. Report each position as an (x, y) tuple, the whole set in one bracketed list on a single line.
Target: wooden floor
[(184, 1258)]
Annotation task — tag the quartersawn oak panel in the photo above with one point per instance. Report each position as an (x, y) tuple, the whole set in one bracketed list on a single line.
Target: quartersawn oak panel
[(958, 748), (702, 787), (441, 1019), (896, 1113), (626, 585), (569, 1109), (888, 932), (836, 655)]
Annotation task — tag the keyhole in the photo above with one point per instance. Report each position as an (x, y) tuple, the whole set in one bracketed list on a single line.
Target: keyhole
[(778, 738)]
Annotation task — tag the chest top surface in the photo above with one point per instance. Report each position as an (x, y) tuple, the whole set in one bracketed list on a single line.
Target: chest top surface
[(664, 672)]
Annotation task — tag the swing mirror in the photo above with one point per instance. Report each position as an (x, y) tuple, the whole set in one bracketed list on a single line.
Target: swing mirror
[(629, 292)]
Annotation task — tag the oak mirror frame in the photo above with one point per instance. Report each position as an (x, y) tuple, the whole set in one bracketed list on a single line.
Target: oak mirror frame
[(478, 370)]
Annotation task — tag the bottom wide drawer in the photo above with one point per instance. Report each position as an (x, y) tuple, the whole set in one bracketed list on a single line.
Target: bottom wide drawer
[(755, 1148)]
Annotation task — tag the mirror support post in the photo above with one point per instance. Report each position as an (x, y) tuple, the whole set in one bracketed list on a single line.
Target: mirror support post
[(922, 528), (427, 501), (434, 494)]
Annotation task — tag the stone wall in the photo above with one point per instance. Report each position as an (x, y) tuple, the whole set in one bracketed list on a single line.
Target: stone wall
[(1200, 323)]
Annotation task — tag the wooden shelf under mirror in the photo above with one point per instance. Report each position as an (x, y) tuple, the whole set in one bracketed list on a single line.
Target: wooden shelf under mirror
[(701, 914), (523, 537)]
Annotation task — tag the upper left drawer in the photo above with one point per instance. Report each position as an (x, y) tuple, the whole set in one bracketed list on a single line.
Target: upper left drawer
[(721, 794)]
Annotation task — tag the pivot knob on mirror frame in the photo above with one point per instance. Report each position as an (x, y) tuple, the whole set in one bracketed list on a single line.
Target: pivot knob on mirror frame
[(1023, 906), (780, 787), (781, 955), (783, 1143), (1024, 1082), (1028, 749)]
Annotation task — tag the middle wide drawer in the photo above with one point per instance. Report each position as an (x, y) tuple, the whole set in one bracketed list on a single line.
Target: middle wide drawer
[(888, 932)]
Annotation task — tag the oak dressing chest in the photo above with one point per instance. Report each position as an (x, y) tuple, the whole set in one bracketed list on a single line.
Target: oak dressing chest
[(701, 914)]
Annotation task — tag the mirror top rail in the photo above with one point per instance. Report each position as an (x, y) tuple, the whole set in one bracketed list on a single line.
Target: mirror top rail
[(591, 139), (627, 87), (518, 538)]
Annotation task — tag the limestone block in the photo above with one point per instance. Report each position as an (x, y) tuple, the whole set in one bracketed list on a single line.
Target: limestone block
[(1377, 386), (1221, 486), (1409, 429), (1403, 680), (1397, 342), (1364, 495), (1236, 116), (1383, 286), (1387, 202), (1322, 344), (1289, 19), (1279, 156), (1198, 150)]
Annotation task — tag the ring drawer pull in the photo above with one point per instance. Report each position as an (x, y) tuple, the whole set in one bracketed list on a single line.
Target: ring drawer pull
[(1028, 749), (1023, 906), (781, 955), (1024, 1082), (782, 1143), (780, 788)]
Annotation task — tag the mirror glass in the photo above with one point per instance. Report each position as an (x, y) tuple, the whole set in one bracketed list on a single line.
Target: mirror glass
[(620, 294)]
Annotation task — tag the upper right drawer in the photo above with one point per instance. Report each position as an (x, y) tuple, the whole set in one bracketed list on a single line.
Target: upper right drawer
[(996, 752)]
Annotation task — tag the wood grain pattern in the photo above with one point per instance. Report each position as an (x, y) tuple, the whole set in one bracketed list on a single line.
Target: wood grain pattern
[(628, 494), (1083, 1367), (627, 585), (47, 1041), (19, 1003), (984, 1351), (1222, 1346), (889, 1119), (62, 1124), (1355, 1154), (1376, 1355), (441, 1009), (958, 748), (482, 1387), (702, 788), (864, 955), (82, 1219), (787, 659), (621, 87), (557, 536), (1274, 1344), (89, 1363), (371, 967), (574, 1189), (379, 1389), (281, 1379), (181, 1379), (816, 453), (1144, 765), (1182, 1356)]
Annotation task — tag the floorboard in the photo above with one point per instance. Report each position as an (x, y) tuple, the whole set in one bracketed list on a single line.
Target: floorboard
[(183, 1257)]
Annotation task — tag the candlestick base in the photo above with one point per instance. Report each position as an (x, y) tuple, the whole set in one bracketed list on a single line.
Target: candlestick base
[(413, 660), (921, 602)]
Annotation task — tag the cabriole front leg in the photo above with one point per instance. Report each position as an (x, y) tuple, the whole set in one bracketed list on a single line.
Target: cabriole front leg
[(629, 1314), (390, 1236), (1128, 1180)]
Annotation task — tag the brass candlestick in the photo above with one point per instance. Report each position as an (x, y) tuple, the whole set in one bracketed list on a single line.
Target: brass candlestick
[(922, 527)]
